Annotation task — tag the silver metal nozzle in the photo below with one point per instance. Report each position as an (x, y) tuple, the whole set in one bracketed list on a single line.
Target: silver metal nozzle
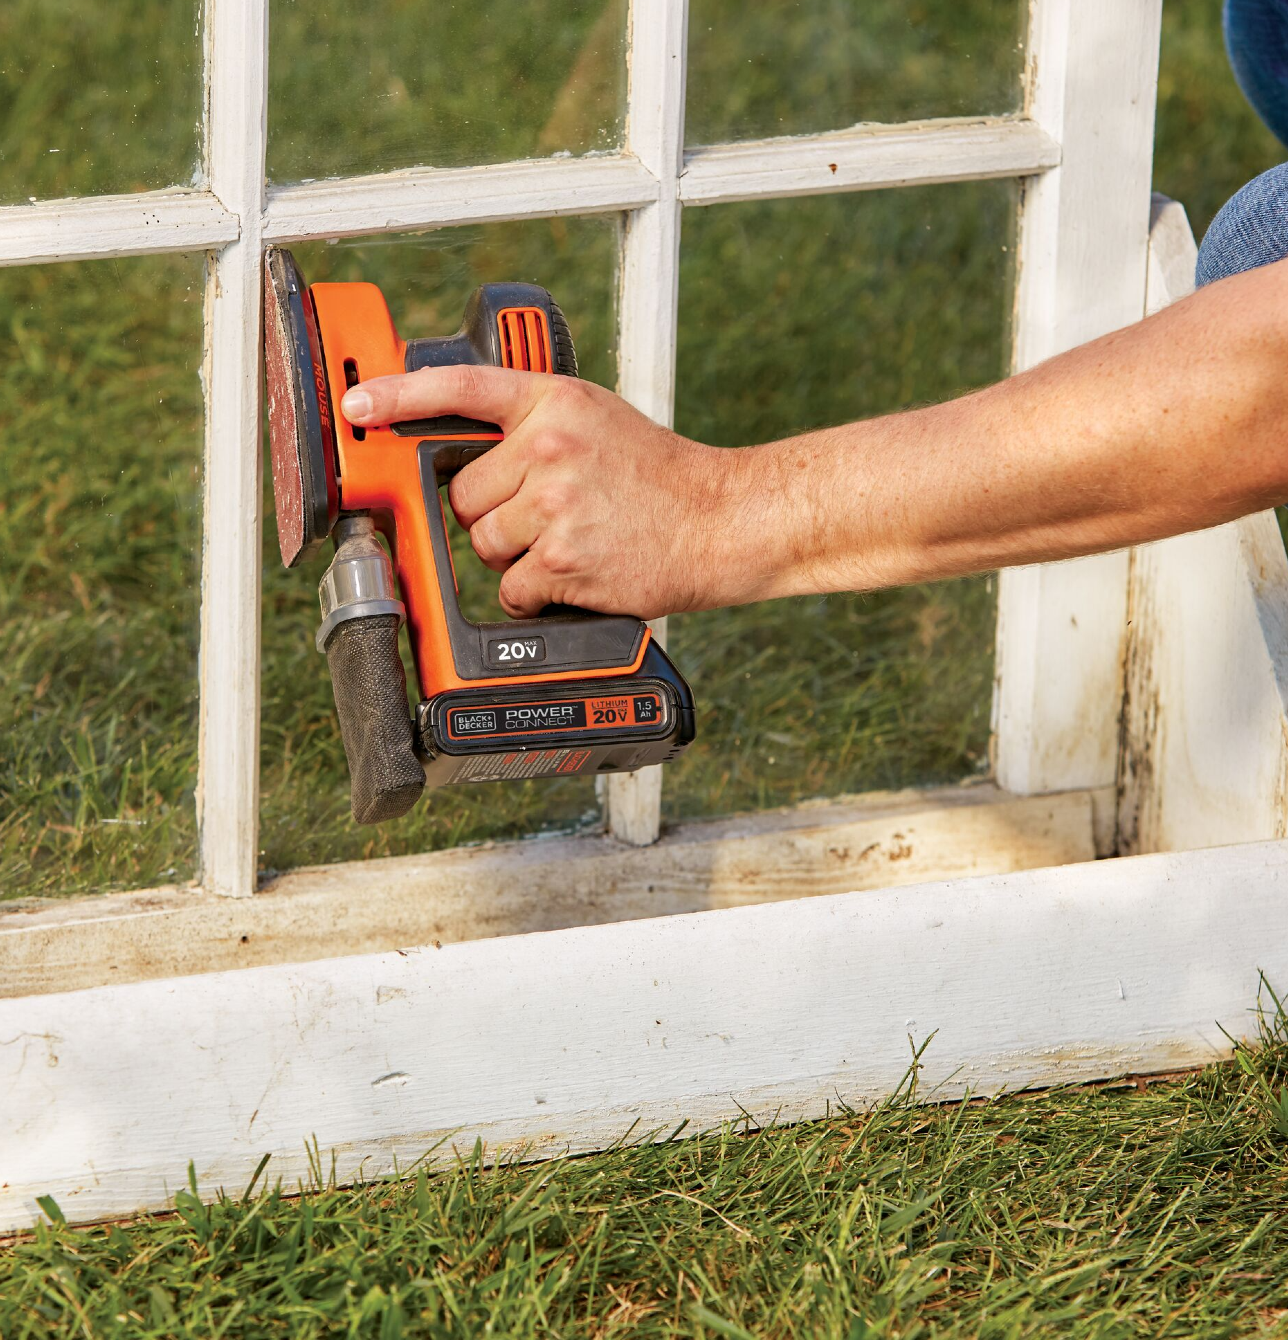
[(359, 584)]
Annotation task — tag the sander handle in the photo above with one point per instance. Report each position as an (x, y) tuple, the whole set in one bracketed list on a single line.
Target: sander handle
[(455, 456), (567, 638)]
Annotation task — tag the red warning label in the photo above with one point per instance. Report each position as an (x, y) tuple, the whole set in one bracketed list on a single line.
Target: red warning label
[(575, 761)]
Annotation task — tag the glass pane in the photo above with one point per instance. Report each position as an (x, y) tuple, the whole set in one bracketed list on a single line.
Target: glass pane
[(98, 98), (100, 544), (789, 67), (373, 87), (304, 807), (797, 314)]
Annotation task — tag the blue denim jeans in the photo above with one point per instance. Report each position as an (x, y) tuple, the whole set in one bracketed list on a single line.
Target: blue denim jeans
[(1251, 228), (1256, 40)]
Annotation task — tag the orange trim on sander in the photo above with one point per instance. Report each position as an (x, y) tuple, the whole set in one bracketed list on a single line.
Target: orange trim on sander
[(381, 474)]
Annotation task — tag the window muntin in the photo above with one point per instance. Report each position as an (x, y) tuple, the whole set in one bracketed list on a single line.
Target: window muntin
[(100, 542), (796, 314), (397, 85)]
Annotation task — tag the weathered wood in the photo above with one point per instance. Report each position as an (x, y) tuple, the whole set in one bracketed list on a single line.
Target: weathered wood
[(864, 158), (228, 780), (114, 225), (1205, 731), (571, 1040), (1172, 257), (870, 842), (1205, 741), (648, 298), (867, 158), (1092, 80), (81, 228), (433, 197)]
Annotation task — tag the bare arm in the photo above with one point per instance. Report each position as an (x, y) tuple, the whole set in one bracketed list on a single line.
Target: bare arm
[(1174, 424)]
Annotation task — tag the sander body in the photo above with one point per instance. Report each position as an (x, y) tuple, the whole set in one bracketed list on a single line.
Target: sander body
[(568, 693)]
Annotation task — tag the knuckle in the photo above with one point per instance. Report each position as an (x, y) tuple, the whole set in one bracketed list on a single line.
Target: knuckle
[(573, 392), (557, 446), (468, 382), (511, 595), (395, 399), (558, 557), (406, 390), (554, 497), (485, 539), (549, 446)]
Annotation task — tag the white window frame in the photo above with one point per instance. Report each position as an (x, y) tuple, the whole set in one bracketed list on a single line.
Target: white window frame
[(648, 181), (654, 991)]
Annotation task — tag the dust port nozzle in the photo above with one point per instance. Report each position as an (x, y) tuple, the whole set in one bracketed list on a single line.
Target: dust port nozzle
[(361, 615)]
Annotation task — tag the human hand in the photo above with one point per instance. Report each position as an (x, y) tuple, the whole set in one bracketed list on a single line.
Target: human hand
[(586, 502)]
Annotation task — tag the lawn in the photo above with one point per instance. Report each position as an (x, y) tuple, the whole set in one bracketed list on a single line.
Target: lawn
[(1121, 1211), (1127, 1211)]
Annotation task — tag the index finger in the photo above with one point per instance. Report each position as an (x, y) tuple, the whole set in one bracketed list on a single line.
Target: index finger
[(497, 395)]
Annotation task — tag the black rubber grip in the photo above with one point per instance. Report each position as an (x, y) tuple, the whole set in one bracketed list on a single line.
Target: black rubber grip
[(561, 338), (385, 776)]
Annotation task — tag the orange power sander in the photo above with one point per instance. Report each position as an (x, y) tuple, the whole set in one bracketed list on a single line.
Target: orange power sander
[(569, 693)]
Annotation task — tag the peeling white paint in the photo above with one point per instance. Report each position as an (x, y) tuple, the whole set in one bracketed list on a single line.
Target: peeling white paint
[(542, 1041)]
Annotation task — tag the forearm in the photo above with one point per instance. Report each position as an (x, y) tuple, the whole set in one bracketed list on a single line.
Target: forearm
[(1170, 425)]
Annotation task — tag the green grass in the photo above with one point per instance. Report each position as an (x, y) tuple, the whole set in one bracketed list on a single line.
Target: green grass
[(359, 87), (796, 314), (1131, 1211), (99, 553), (1107, 1213), (98, 98), (789, 67), (792, 315)]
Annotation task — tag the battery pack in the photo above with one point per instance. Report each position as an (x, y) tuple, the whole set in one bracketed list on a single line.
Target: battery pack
[(574, 728)]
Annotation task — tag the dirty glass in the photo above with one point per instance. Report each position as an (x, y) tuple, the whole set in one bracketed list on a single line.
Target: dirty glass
[(100, 551), (98, 98), (797, 314), (363, 87), (790, 67), (304, 799)]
